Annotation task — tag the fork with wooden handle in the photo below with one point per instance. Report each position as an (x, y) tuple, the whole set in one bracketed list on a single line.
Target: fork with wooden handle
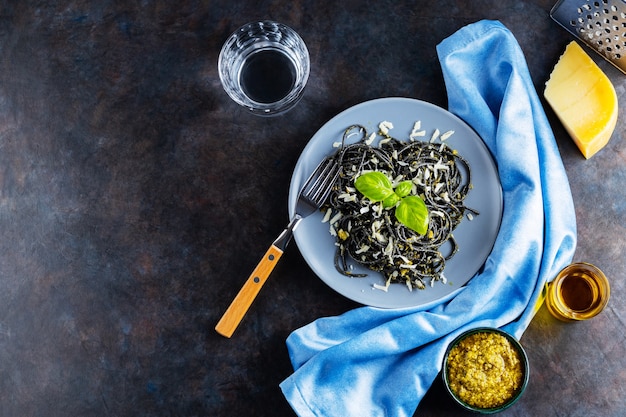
[(312, 195)]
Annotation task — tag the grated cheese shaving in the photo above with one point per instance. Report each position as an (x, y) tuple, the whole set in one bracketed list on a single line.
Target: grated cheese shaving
[(327, 215), (446, 135), (435, 135), (384, 127)]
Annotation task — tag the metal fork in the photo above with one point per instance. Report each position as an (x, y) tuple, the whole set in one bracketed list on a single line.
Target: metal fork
[(312, 195)]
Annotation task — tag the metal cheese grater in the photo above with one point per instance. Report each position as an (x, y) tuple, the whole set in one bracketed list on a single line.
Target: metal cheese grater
[(600, 24)]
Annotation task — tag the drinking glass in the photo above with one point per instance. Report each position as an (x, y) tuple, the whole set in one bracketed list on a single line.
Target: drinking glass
[(579, 292), (264, 66)]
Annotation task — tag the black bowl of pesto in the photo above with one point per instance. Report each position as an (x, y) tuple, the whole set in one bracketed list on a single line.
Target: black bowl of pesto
[(485, 370)]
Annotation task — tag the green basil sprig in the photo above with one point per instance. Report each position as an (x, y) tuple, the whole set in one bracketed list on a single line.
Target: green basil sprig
[(411, 210)]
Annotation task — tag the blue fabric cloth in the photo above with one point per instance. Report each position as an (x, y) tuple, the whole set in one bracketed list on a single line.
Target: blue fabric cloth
[(377, 362)]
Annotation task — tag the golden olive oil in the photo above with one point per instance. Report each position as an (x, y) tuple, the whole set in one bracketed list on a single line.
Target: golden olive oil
[(579, 292)]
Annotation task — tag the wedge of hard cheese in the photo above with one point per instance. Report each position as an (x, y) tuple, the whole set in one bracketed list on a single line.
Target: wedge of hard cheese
[(583, 98)]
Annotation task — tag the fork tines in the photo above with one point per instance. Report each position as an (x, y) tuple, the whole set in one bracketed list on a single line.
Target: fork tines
[(320, 183)]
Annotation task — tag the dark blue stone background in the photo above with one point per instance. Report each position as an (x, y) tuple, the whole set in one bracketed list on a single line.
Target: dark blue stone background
[(136, 198)]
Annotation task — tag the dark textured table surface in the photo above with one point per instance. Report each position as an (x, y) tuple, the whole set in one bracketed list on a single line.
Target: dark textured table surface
[(136, 198)]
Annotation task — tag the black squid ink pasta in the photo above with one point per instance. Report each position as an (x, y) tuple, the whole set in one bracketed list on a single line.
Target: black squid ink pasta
[(370, 234)]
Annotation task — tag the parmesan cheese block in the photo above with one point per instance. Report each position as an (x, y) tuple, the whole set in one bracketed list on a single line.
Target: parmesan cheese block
[(583, 98)]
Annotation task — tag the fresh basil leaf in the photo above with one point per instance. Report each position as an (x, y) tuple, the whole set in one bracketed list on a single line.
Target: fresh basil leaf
[(391, 200), (404, 188), (413, 213), (374, 185)]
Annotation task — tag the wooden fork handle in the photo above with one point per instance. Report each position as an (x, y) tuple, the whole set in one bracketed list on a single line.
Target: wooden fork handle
[(240, 305)]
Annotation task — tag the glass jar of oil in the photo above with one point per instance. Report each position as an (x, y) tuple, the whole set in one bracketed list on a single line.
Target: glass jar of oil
[(579, 292)]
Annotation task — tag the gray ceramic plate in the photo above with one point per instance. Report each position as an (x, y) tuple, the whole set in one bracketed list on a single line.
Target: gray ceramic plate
[(475, 238)]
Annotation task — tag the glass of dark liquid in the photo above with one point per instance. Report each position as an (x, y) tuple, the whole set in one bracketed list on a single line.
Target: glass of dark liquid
[(579, 292), (264, 66)]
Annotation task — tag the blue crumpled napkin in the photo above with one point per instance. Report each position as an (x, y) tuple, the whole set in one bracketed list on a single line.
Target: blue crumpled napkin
[(377, 362)]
